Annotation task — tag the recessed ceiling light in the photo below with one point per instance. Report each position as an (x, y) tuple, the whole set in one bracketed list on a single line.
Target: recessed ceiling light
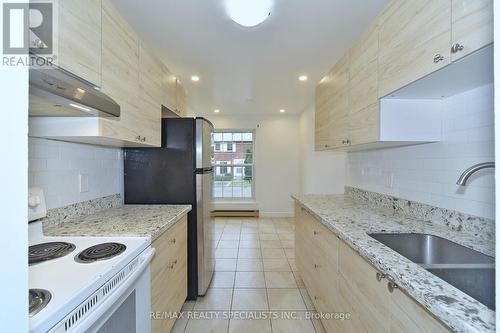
[(249, 13), (282, 111), (195, 78), (216, 110), (303, 78)]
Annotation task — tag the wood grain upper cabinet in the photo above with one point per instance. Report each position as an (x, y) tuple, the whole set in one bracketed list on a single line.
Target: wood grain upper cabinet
[(363, 89), (79, 48), (120, 80), (169, 89), (182, 99), (414, 40), (150, 84), (332, 107), (471, 26)]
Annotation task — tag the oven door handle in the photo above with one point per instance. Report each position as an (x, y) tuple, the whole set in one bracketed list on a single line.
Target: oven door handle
[(94, 316)]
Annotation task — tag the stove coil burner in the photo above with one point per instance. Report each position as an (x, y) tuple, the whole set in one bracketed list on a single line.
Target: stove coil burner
[(100, 252), (48, 251), (38, 299)]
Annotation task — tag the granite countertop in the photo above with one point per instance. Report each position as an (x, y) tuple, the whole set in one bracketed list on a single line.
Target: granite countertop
[(352, 220), (128, 220)]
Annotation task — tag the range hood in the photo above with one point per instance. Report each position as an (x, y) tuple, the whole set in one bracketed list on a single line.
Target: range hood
[(58, 93)]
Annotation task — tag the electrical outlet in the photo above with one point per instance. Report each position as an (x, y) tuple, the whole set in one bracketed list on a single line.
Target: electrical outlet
[(84, 182)]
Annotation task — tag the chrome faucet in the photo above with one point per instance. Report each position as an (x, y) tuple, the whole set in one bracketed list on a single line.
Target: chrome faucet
[(462, 181)]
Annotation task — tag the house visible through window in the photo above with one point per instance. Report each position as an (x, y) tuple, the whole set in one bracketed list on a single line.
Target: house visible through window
[(234, 165)]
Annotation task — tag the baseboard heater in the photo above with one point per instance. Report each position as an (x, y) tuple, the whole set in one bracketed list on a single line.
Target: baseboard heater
[(235, 213)]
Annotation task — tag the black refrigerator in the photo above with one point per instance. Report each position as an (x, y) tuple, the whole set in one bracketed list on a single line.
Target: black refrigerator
[(180, 172)]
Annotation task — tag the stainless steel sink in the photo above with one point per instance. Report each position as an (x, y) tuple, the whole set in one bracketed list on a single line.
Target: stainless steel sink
[(466, 269)]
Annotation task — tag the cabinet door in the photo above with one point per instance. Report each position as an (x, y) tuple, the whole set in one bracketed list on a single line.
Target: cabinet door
[(363, 89), (169, 89), (120, 75), (80, 38), (150, 82), (414, 40), (181, 99), (361, 294), (409, 316), (322, 119), (471, 25), (339, 111)]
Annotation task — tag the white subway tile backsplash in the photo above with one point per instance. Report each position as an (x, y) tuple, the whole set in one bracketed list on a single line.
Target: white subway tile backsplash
[(55, 167), (427, 173)]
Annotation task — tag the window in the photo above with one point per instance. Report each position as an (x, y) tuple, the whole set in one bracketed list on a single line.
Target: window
[(234, 165)]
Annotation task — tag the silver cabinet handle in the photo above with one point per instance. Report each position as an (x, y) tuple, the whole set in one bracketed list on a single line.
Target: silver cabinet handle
[(391, 286), (456, 48), (438, 58), (346, 142), (380, 276), (316, 266), (315, 233), (138, 138), (326, 146), (143, 139), (172, 241)]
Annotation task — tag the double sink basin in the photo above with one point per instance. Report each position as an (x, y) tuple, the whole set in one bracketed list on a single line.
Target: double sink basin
[(470, 271)]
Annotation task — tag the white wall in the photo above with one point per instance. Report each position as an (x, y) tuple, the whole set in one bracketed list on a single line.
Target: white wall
[(321, 172), (427, 173), (13, 197), (276, 159), (55, 167)]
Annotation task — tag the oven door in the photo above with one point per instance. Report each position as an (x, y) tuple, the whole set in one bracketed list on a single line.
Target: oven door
[(128, 308)]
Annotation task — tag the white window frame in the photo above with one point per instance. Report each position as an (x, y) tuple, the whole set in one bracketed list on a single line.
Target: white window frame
[(233, 165)]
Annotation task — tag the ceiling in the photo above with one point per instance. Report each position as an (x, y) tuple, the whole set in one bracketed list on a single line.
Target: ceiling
[(250, 70)]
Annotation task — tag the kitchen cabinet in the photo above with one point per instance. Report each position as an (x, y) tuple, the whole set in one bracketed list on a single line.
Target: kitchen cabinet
[(182, 98), (169, 275), (169, 89), (471, 26), (150, 85), (414, 40), (332, 107), (79, 42), (363, 89), (339, 280)]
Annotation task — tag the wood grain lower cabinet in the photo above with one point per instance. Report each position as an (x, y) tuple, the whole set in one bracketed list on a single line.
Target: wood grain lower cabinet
[(471, 26), (339, 281), (169, 275)]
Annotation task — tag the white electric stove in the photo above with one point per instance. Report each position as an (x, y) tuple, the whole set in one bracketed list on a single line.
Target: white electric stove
[(89, 284)]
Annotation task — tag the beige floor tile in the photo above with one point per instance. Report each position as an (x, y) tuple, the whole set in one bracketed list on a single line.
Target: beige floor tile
[(215, 299), (228, 244), (280, 280), (226, 253), (307, 299), (293, 264), (250, 299), (249, 265), (223, 280), (188, 305), (249, 236), (287, 236), (285, 299), (298, 280), (270, 244), (249, 231), (179, 326), (249, 326), (225, 265), (268, 236), (290, 253), (292, 326), (276, 265), (230, 236), (273, 254), (249, 280), (288, 244), (318, 326), (249, 244), (207, 326), (249, 254)]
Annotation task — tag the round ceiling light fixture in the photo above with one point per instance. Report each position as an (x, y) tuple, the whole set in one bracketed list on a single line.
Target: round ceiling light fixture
[(249, 13)]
